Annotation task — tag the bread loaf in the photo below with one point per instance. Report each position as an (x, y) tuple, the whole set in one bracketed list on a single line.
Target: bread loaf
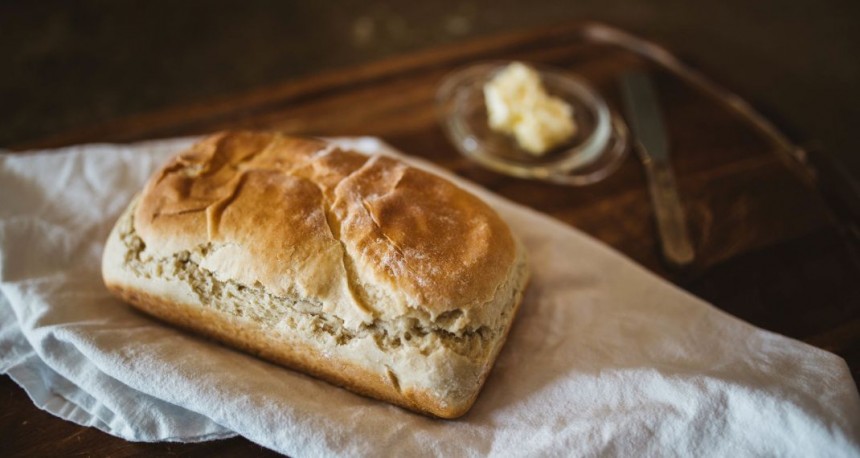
[(362, 271)]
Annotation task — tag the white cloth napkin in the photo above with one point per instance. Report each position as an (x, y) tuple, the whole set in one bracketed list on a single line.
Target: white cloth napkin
[(604, 358)]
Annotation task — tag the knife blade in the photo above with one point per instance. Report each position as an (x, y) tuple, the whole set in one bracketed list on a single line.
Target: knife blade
[(646, 124)]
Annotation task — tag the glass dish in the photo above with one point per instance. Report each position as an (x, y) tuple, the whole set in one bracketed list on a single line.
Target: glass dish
[(597, 148)]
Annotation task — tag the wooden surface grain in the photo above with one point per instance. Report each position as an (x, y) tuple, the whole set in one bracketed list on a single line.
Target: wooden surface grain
[(774, 246)]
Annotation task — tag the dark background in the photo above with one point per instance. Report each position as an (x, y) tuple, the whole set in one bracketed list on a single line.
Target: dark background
[(67, 65), (73, 64)]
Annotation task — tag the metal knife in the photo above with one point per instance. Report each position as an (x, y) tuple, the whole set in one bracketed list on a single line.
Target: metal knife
[(646, 123)]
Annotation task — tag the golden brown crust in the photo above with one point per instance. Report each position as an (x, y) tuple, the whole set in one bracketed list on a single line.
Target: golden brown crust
[(398, 237), (422, 235), (362, 271)]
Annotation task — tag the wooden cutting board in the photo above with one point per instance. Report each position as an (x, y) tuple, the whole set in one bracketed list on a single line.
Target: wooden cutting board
[(773, 245)]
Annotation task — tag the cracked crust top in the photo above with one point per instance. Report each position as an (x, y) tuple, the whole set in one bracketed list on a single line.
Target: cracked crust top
[(365, 237)]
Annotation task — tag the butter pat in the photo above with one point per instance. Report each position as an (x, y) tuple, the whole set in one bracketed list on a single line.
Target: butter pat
[(518, 105)]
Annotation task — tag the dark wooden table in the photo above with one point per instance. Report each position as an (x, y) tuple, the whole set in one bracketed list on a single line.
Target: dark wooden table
[(774, 230)]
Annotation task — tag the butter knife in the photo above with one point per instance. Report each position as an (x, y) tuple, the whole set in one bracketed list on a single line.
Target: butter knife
[(646, 123)]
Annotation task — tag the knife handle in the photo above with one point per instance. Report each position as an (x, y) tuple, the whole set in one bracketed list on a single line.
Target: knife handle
[(671, 223)]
